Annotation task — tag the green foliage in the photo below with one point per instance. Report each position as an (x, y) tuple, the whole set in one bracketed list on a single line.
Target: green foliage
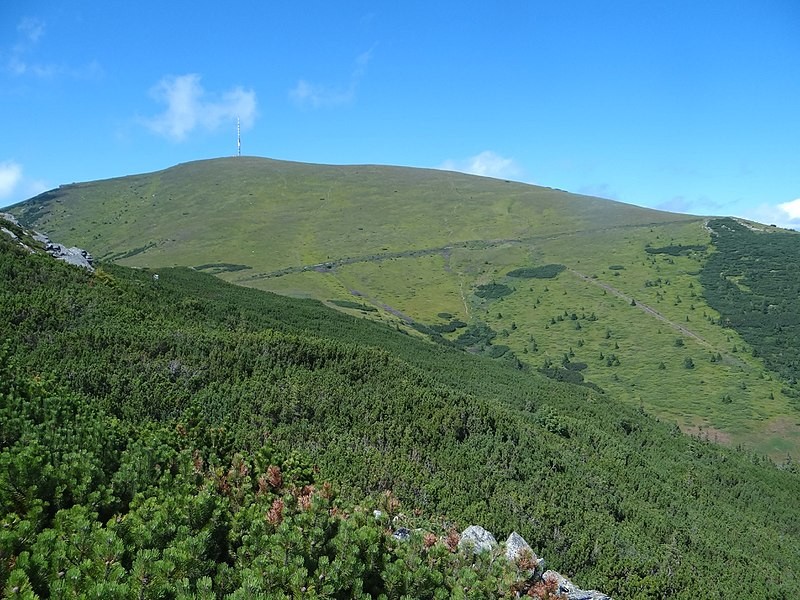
[(222, 267), (450, 327), (130, 253), (752, 281), (496, 351), (418, 243), (475, 336), (164, 441), (676, 249), (493, 290), (354, 305), (208, 526), (562, 374), (541, 272)]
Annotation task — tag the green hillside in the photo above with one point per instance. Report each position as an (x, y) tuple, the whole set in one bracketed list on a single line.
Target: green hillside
[(271, 214), (455, 257), (140, 414)]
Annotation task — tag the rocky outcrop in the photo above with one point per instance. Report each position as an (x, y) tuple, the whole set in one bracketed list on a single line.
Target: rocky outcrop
[(552, 583), (10, 218), (73, 255), (549, 584), (566, 588), (11, 221), (402, 534), (477, 539), (9, 233), (517, 547)]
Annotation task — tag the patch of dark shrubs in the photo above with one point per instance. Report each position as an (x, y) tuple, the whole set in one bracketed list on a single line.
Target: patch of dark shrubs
[(355, 305), (676, 249), (492, 291), (543, 272)]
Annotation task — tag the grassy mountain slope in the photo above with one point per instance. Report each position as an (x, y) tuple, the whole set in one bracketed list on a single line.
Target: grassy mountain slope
[(277, 214), (613, 497), (628, 313)]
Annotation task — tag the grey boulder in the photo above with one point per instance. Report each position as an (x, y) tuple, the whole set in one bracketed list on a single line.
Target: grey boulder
[(478, 539)]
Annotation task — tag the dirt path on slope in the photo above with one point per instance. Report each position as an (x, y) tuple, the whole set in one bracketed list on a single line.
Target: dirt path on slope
[(375, 302), (654, 313), (329, 265)]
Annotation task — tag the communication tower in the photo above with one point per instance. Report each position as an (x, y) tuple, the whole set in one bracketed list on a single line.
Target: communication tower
[(238, 138)]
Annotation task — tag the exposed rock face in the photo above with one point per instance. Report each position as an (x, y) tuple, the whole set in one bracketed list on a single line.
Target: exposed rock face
[(402, 534), (74, 256), (516, 547), (14, 237), (477, 538), (10, 218), (565, 586)]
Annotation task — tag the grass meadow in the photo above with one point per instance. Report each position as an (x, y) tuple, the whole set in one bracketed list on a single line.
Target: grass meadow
[(416, 243)]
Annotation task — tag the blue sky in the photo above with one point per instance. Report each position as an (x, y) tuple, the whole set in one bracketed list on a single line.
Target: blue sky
[(688, 106)]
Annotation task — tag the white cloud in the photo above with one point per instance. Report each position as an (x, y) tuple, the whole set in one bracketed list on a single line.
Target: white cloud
[(599, 190), (698, 205), (487, 164), (785, 215), (306, 94), (311, 95), (14, 186), (31, 29), (189, 107), (34, 187), (22, 60), (791, 209), (362, 60), (10, 177)]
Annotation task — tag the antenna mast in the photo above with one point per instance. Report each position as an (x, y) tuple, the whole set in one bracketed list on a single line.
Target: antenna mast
[(238, 138)]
